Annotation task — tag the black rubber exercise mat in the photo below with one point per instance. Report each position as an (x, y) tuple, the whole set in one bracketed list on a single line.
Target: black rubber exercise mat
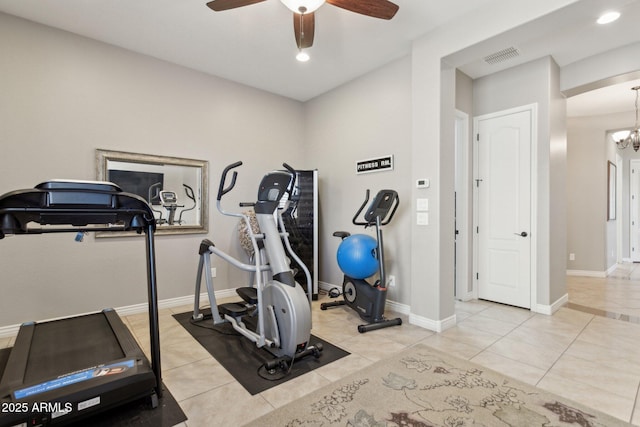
[(242, 359)]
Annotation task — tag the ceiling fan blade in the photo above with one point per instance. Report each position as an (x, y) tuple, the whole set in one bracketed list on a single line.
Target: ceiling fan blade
[(304, 28), (220, 5), (382, 9)]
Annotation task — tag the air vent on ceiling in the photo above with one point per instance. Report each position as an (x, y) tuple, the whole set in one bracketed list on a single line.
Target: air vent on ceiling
[(502, 55)]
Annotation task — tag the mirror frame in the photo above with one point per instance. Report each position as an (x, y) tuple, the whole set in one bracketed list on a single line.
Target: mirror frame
[(103, 156)]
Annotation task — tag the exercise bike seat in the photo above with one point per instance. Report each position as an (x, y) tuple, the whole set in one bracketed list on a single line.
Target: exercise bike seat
[(249, 294), (341, 234)]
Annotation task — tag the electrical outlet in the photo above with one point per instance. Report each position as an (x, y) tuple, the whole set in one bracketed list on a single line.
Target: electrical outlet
[(392, 281), (572, 257), (213, 272)]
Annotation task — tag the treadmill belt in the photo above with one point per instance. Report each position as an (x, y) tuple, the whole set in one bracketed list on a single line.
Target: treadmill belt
[(68, 345)]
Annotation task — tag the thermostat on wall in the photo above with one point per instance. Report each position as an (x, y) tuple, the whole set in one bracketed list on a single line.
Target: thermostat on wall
[(422, 183)]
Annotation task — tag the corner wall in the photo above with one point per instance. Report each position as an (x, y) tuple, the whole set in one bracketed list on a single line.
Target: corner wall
[(63, 96), (366, 118)]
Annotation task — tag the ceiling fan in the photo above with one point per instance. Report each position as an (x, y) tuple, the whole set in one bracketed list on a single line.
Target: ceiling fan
[(304, 19)]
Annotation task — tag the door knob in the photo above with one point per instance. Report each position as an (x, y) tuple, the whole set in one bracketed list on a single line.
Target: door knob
[(523, 234)]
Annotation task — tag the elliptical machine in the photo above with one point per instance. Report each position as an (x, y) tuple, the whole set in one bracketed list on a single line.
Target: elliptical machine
[(368, 300), (169, 201), (282, 307)]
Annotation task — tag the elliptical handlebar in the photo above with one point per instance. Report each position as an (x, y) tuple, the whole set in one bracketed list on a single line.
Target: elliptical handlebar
[(221, 190), (189, 192), (292, 185)]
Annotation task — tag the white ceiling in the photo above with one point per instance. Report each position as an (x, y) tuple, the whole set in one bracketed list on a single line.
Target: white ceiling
[(254, 45)]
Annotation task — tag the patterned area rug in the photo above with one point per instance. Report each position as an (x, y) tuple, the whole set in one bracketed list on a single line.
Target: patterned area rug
[(425, 388)]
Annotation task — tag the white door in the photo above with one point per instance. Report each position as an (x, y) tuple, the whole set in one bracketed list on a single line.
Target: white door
[(634, 211), (503, 185)]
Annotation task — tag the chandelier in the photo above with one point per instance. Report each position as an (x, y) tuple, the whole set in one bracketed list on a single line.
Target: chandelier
[(625, 138)]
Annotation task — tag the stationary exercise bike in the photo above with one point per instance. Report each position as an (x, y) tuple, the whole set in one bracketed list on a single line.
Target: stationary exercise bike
[(282, 307), (361, 256)]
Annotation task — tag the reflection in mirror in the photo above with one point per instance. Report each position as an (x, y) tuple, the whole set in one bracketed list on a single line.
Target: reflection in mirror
[(176, 188)]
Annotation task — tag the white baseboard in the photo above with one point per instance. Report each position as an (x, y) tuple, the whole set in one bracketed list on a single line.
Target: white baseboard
[(398, 307), (390, 305), (423, 322), (326, 286), (433, 325), (12, 330), (550, 309), (466, 297), (9, 331), (587, 273)]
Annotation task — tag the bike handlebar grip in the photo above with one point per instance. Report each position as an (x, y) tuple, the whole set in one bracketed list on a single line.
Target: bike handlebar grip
[(221, 190), (355, 217)]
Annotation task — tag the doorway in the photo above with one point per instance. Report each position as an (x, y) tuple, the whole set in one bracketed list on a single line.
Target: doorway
[(463, 289)]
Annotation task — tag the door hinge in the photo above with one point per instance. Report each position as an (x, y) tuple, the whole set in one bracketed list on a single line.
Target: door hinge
[(477, 276), (478, 137)]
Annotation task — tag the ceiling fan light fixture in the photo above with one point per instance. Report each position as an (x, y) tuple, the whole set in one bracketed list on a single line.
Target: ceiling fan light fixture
[(303, 6)]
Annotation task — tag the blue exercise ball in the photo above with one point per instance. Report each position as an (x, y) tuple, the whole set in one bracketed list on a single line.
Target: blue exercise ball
[(357, 256)]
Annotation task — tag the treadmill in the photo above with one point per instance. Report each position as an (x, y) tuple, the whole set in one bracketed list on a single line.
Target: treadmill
[(65, 370)]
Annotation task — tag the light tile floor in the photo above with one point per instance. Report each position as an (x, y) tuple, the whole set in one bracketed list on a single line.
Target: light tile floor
[(590, 358)]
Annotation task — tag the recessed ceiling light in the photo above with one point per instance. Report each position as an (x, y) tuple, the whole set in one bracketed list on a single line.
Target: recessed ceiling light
[(608, 17)]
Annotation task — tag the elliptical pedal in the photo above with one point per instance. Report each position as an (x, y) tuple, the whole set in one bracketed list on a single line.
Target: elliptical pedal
[(249, 294), (232, 309)]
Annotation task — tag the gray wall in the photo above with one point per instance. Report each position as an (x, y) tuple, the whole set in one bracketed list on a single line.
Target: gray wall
[(364, 119), (63, 96)]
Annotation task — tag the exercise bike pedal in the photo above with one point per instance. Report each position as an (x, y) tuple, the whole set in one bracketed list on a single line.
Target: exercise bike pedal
[(249, 294)]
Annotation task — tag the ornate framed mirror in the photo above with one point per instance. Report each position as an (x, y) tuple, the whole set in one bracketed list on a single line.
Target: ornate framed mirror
[(176, 188)]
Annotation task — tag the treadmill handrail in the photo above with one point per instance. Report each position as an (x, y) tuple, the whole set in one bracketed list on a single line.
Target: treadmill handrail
[(74, 203)]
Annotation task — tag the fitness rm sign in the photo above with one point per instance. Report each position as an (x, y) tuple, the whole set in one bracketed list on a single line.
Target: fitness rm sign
[(374, 165)]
